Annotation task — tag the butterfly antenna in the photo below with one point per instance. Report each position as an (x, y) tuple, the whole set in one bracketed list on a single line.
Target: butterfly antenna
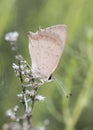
[(60, 86)]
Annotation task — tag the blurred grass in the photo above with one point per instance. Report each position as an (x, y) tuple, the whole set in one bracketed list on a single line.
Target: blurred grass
[(6, 9), (74, 73)]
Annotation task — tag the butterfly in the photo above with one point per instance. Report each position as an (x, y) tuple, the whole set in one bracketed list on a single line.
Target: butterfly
[(45, 48)]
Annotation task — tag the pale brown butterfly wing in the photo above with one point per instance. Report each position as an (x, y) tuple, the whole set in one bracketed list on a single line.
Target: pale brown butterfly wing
[(60, 30), (46, 47)]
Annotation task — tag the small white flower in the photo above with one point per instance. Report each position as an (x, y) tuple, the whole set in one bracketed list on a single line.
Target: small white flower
[(28, 85), (28, 71), (10, 113), (24, 61), (19, 57), (15, 66), (20, 96), (26, 80), (31, 93), (16, 108), (11, 36), (39, 98), (22, 72), (22, 67)]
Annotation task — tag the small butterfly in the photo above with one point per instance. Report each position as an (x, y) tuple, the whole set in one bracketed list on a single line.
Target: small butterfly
[(46, 47)]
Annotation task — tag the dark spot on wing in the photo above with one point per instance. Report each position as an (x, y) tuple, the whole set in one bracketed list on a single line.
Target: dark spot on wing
[(50, 77)]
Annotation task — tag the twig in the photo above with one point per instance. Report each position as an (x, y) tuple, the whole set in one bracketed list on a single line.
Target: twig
[(28, 97)]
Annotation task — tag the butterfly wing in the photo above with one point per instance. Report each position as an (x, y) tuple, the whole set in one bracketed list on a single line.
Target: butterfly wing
[(60, 31), (46, 47)]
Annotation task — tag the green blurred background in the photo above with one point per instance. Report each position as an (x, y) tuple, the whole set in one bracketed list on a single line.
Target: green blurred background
[(74, 73)]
